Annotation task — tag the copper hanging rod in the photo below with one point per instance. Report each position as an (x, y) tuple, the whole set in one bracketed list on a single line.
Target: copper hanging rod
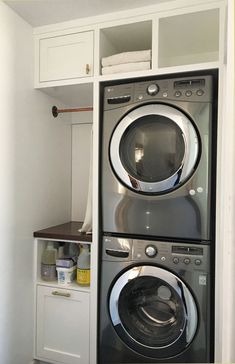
[(56, 111)]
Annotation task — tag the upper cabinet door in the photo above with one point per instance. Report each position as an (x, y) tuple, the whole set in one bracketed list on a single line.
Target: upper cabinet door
[(66, 57)]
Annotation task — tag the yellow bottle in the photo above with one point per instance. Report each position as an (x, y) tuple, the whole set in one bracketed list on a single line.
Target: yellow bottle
[(83, 266)]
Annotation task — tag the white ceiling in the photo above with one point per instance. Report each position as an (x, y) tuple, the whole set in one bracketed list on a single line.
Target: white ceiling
[(43, 12)]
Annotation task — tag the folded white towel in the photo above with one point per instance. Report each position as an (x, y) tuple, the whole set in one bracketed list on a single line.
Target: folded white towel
[(126, 67), (126, 57)]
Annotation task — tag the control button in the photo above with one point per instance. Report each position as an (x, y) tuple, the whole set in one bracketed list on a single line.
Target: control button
[(192, 192), (152, 89), (151, 251), (140, 97), (163, 259), (200, 92), (178, 93), (186, 261), (200, 189), (176, 260), (165, 94), (188, 93), (198, 261)]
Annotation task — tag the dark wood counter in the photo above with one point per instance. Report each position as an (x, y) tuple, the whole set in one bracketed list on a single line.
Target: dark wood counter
[(67, 231)]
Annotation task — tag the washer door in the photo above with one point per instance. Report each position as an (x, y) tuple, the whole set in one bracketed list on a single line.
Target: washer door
[(153, 311), (154, 149)]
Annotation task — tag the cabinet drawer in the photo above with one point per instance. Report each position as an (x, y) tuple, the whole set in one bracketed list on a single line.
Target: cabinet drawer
[(62, 325), (66, 57)]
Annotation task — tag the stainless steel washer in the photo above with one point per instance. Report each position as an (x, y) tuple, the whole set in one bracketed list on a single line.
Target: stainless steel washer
[(155, 302), (156, 154)]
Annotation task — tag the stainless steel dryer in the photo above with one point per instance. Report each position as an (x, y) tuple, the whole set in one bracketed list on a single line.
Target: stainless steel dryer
[(154, 302), (156, 158)]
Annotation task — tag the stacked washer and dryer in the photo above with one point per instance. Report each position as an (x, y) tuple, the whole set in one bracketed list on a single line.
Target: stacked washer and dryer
[(156, 285)]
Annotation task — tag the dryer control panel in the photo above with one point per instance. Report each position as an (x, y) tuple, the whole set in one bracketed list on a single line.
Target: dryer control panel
[(189, 89)]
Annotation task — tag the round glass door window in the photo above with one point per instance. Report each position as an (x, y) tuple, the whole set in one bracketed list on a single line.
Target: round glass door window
[(154, 149), (150, 309)]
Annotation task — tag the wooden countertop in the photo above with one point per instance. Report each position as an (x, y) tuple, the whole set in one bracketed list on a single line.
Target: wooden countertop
[(67, 231)]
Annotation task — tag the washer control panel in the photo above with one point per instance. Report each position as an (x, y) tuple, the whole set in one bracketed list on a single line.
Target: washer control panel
[(173, 255)]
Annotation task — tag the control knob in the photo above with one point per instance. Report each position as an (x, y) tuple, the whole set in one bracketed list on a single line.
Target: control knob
[(151, 251), (152, 89)]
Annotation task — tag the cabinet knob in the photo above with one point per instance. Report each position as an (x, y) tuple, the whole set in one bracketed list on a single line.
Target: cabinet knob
[(88, 68), (57, 293)]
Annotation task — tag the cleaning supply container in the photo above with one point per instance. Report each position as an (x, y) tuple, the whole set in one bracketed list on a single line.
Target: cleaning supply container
[(48, 262), (66, 275), (83, 266)]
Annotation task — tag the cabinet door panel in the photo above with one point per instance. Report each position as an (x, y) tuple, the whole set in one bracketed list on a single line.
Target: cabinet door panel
[(65, 57), (62, 326)]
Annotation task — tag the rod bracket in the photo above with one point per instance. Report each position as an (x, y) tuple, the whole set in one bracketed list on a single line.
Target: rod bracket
[(55, 111)]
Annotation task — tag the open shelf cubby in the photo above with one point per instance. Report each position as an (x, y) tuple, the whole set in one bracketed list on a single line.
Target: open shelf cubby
[(189, 38), (125, 38)]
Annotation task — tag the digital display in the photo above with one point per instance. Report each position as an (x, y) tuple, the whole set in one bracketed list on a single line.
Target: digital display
[(187, 250), (189, 83)]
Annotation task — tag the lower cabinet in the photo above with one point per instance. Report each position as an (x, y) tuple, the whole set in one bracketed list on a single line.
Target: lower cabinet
[(62, 325)]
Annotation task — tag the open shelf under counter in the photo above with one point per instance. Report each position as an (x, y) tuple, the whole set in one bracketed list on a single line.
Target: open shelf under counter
[(68, 233), (64, 232)]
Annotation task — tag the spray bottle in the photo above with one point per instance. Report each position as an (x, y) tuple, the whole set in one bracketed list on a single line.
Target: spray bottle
[(83, 266)]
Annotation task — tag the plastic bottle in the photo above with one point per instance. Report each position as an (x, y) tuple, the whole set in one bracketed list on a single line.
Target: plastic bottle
[(60, 250), (71, 249), (83, 266), (48, 263)]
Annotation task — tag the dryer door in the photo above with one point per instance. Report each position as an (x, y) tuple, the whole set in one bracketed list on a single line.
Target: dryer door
[(154, 149), (153, 311)]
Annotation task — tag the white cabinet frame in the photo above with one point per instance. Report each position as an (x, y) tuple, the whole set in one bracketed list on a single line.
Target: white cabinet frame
[(225, 254)]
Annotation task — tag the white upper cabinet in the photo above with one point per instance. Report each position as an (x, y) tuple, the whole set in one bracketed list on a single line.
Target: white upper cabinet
[(188, 37), (66, 57)]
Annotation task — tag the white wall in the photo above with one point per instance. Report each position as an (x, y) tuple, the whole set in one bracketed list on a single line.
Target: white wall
[(35, 182)]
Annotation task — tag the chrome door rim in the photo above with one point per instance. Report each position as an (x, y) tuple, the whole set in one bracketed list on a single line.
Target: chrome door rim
[(190, 156), (173, 281)]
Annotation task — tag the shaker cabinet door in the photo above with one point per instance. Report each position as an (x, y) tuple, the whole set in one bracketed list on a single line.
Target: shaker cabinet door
[(62, 325), (66, 57)]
